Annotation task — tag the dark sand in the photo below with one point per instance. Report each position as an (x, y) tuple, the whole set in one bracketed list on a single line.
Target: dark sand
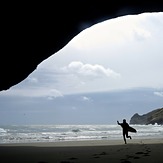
[(97, 151)]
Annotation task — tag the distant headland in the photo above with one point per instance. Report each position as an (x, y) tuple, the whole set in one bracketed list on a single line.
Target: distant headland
[(153, 117)]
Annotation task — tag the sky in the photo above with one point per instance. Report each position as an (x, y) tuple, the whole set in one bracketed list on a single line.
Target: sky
[(124, 53)]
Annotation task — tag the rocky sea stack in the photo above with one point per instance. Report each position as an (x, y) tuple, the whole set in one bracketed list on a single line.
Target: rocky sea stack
[(153, 117)]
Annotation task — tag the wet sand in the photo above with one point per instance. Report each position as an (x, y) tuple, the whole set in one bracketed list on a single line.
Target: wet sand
[(95, 151)]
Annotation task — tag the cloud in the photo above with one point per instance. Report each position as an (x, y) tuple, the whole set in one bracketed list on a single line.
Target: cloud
[(158, 94), (141, 34), (89, 70), (53, 93), (33, 92), (117, 30), (32, 80), (85, 98)]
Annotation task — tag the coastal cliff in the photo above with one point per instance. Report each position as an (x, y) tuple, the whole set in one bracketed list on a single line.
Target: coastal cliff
[(155, 116)]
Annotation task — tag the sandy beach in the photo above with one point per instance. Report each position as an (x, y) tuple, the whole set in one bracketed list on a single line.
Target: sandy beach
[(95, 151)]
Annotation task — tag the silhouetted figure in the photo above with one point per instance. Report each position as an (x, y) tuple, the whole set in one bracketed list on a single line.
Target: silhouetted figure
[(125, 127)]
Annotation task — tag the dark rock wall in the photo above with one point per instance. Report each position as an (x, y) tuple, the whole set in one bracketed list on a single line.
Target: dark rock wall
[(31, 32)]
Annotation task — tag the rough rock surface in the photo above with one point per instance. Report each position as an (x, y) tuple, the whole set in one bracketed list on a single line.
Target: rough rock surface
[(153, 117)]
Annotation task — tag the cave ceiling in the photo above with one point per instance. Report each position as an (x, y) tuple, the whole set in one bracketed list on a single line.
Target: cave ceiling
[(30, 33)]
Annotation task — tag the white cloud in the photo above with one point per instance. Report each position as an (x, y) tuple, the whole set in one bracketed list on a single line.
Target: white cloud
[(85, 98), (33, 92), (158, 94), (32, 80), (141, 34), (115, 31), (53, 93), (89, 70)]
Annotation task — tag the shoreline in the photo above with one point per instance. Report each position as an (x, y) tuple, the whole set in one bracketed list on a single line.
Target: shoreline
[(96, 151), (103, 142)]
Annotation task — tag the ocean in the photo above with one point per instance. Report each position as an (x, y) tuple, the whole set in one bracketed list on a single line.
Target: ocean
[(56, 133)]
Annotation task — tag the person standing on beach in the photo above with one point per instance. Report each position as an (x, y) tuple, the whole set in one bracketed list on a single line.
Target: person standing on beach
[(125, 127)]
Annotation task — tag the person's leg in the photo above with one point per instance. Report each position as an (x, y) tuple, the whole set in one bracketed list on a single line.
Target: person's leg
[(127, 136), (124, 138)]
